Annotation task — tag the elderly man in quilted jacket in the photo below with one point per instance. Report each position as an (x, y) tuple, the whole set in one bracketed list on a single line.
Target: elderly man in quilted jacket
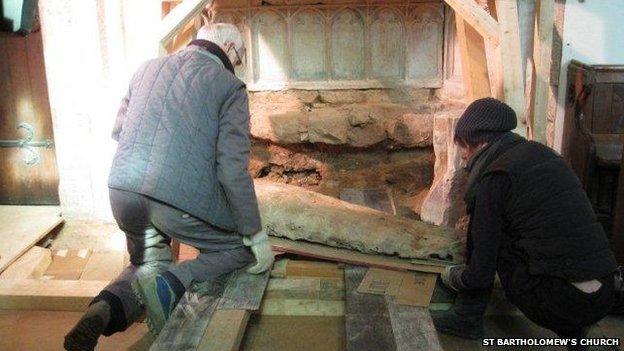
[(180, 172)]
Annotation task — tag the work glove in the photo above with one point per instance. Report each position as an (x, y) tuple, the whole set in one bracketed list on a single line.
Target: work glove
[(451, 277), (261, 249)]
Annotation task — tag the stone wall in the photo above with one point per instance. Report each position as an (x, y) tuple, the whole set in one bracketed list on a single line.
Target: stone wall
[(328, 140)]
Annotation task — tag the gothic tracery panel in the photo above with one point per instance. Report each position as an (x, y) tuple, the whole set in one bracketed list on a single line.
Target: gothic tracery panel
[(308, 46), (365, 45), (269, 40), (386, 44), (347, 45)]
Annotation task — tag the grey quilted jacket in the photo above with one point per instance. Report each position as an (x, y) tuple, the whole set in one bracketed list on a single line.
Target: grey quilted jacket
[(183, 139)]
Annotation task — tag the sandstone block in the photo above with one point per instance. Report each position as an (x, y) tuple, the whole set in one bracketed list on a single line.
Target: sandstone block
[(342, 96), (284, 127), (412, 130), (329, 126), (444, 203)]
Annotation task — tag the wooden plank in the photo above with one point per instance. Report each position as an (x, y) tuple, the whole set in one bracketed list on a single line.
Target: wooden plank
[(351, 257), (543, 63), (296, 268), (367, 320), (188, 322), (302, 307), (178, 17), (32, 264), (21, 227), (513, 76), (477, 17), (473, 60), (67, 264), (244, 291), (412, 327), (106, 265), (305, 289), (225, 331), (48, 295)]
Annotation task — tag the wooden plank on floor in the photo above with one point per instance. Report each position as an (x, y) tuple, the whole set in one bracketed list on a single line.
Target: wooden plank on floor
[(105, 265), (412, 327), (187, 324), (296, 268), (21, 227), (352, 257), (225, 331), (244, 291), (67, 264), (367, 320), (32, 264), (48, 295)]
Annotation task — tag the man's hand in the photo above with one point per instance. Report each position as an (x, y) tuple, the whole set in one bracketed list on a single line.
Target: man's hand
[(259, 245), (451, 277)]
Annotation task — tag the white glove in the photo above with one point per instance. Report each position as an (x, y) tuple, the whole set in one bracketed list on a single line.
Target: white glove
[(259, 245), (451, 277)]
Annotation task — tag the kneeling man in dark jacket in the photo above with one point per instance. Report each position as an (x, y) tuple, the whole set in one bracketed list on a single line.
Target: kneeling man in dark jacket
[(532, 223)]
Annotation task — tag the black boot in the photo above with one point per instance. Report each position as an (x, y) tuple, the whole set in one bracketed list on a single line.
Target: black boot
[(84, 336), (465, 318)]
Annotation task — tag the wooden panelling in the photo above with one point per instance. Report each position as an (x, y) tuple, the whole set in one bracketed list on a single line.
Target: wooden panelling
[(24, 98)]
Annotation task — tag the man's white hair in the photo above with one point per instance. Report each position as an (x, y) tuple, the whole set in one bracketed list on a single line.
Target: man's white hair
[(220, 33)]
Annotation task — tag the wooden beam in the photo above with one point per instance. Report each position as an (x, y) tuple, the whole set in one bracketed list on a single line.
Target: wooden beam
[(474, 61), (478, 18), (21, 227), (513, 77), (48, 295), (367, 321), (179, 17), (352, 257), (494, 61), (296, 268), (32, 264), (225, 331), (412, 327), (105, 265), (543, 62)]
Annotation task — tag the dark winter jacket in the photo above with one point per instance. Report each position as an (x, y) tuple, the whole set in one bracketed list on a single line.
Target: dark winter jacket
[(183, 133), (527, 202)]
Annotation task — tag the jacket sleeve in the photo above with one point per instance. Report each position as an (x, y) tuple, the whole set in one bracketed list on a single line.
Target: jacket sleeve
[(121, 116), (486, 231), (233, 148)]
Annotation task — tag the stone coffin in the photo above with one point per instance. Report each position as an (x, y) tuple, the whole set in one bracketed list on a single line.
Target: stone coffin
[(299, 214)]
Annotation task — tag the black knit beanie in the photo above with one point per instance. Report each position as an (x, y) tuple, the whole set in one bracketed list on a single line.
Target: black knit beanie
[(485, 120)]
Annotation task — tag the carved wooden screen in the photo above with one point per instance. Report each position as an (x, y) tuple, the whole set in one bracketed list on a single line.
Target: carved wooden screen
[(367, 44)]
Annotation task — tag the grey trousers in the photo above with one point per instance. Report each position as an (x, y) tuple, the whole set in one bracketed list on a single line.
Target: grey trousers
[(149, 226)]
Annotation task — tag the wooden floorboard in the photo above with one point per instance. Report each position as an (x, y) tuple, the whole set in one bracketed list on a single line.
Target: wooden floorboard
[(21, 227), (412, 327), (244, 291), (32, 264), (48, 295), (367, 321), (225, 331)]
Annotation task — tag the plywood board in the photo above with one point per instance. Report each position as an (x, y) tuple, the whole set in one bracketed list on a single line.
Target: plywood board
[(381, 282), (351, 257), (105, 265), (412, 327), (225, 331), (244, 291), (48, 295), (67, 264), (21, 227), (367, 321), (32, 264), (296, 268)]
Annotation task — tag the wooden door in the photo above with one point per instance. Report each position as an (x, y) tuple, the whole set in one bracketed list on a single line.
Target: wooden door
[(24, 101)]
